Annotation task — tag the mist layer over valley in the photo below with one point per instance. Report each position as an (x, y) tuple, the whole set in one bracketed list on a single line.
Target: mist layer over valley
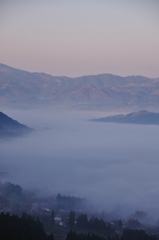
[(115, 166)]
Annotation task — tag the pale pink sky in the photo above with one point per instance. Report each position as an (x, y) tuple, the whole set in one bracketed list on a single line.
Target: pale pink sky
[(81, 37)]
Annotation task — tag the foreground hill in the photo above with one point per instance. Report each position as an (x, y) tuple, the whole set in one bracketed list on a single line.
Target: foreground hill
[(141, 117), (12, 128), (90, 92)]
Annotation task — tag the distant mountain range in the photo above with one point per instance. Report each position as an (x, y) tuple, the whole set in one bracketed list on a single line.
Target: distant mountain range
[(104, 91), (140, 117), (12, 128)]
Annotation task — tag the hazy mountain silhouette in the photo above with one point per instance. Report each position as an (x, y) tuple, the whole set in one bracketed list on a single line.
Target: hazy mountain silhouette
[(140, 117), (12, 128), (90, 92)]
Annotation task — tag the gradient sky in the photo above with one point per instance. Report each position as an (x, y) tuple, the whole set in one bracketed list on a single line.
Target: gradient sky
[(81, 37)]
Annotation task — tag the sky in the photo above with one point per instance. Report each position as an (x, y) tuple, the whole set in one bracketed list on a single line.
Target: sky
[(75, 38)]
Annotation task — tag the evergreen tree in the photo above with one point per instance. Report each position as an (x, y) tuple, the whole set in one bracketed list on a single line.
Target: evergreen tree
[(52, 218), (50, 237), (71, 219), (24, 228)]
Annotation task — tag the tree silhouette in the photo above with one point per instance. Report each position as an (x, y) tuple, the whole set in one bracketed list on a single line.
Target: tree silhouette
[(71, 219)]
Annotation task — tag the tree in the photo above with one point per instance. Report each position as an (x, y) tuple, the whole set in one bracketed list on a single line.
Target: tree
[(50, 237), (120, 224), (11, 192), (71, 219), (14, 227), (52, 218), (82, 221), (130, 234)]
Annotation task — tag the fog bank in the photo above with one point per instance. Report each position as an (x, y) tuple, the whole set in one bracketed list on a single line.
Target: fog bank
[(113, 165)]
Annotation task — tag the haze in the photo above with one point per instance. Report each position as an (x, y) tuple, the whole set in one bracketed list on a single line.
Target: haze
[(115, 166)]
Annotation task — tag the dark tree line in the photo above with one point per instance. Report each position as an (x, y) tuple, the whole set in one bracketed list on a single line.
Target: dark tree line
[(130, 234), (28, 228), (69, 202), (80, 236), (93, 224), (10, 191), (21, 228)]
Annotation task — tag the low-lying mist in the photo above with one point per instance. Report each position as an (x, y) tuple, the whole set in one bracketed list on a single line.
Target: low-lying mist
[(114, 165)]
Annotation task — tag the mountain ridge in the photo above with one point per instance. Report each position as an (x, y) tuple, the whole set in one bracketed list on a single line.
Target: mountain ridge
[(12, 128), (105, 90), (141, 117)]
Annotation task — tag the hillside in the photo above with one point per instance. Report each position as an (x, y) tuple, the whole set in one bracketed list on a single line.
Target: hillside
[(104, 91), (12, 128), (140, 117)]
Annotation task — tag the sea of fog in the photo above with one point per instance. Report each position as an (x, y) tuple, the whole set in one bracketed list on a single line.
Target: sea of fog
[(116, 166)]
